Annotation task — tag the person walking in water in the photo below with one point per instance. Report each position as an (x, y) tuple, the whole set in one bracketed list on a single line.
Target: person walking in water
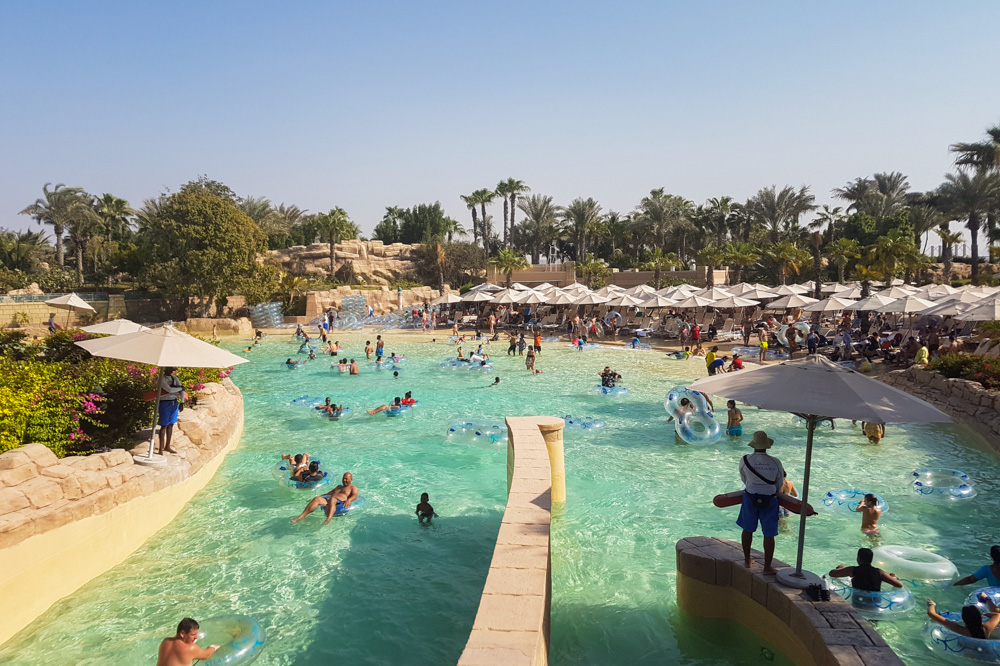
[(763, 477)]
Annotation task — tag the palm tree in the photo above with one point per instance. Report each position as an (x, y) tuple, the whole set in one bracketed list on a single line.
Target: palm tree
[(948, 241), (116, 214), (510, 189), (788, 258), (471, 201), (980, 154), (660, 213), (924, 219), (52, 209), (82, 223), (780, 211), (508, 261), (22, 250), (970, 197), (717, 211), (541, 224), (710, 257), (591, 267), (879, 196), (856, 192), (257, 208), (485, 197), (889, 252), (841, 252), (336, 226), (740, 255), (440, 259), (580, 217), (658, 261), (831, 218)]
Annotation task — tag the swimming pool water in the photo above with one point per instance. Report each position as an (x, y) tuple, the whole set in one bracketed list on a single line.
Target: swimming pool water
[(377, 588)]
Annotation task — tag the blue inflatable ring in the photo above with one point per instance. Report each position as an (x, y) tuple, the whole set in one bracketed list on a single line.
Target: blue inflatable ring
[(944, 641), (685, 420), (885, 605), (942, 484), (282, 472), (610, 390), (240, 639), (846, 500)]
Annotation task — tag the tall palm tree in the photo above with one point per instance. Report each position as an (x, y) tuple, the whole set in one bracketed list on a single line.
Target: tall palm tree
[(510, 189), (660, 213), (830, 218), (949, 239), (508, 261), (658, 261), (440, 259), (336, 226), (980, 154), (52, 209), (257, 208), (82, 223), (710, 257), (541, 223), (591, 267), (970, 197), (741, 256), (22, 250), (779, 211), (718, 210), (471, 201), (841, 252), (788, 258), (924, 219), (116, 215), (485, 197), (879, 196), (856, 192), (579, 218)]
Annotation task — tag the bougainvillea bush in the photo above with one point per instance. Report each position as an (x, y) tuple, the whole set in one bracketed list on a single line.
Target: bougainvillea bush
[(55, 393), (982, 369)]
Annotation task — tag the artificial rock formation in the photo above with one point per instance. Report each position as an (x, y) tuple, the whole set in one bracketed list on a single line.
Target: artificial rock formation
[(373, 262)]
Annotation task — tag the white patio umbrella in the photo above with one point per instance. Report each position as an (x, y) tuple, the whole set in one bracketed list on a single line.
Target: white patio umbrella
[(815, 389), (694, 302), (115, 327), (948, 308), (834, 287), (760, 294), (734, 302), (545, 287), (898, 292), (447, 299), (854, 293), (531, 297), (787, 290), (790, 302), (832, 304), (988, 310), (624, 301), (576, 287), (591, 299), (610, 290), (905, 305), (933, 289), (486, 286), (70, 302), (656, 301), (562, 298), (872, 304), (715, 293), (505, 296), (740, 289), (162, 347), (474, 296), (519, 286)]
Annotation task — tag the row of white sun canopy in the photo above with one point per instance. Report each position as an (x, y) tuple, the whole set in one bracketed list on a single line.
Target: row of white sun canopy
[(969, 302)]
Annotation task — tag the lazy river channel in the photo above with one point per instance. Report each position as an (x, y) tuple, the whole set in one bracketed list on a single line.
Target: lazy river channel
[(375, 587)]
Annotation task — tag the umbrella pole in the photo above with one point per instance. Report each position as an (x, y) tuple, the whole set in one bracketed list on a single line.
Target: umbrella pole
[(156, 412), (810, 428)]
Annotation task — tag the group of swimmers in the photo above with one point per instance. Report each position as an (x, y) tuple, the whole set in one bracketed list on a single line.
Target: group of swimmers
[(974, 624)]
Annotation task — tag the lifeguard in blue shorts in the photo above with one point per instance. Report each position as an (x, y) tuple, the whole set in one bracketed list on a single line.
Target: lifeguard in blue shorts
[(763, 477)]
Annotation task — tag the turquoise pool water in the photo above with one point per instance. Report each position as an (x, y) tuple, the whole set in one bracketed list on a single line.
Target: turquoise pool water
[(377, 588)]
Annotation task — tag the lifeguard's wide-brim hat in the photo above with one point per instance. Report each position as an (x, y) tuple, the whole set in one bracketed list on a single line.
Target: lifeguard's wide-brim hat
[(760, 441)]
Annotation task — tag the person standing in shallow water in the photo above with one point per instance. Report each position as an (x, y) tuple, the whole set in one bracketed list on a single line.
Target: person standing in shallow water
[(763, 476)]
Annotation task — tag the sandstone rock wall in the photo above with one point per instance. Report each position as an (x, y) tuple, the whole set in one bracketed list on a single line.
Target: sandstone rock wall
[(373, 262), (965, 401), (383, 300), (40, 492)]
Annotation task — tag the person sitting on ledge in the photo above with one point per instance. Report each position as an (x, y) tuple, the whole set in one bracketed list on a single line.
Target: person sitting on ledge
[(181, 649), (338, 499)]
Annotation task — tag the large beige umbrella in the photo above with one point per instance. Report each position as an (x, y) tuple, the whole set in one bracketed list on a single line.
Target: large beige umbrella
[(832, 304), (486, 286), (70, 302), (948, 308), (505, 297), (906, 305), (988, 310), (624, 301), (656, 301), (477, 296), (694, 302), (591, 299), (873, 303), (854, 293), (788, 290), (447, 299), (562, 298), (162, 347), (740, 289), (834, 287), (642, 290), (530, 297), (790, 302), (115, 327), (759, 294), (678, 292), (577, 287), (898, 292), (715, 293), (815, 389), (734, 302), (611, 290)]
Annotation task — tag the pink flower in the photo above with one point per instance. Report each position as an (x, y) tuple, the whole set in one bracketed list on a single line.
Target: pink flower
[(198, 387), (152, 371)]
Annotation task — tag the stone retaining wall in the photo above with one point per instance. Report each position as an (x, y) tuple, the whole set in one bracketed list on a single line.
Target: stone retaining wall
[(382, 300), (66, 521), (373, 261), (512, 624), (964, 400), (712, 582)]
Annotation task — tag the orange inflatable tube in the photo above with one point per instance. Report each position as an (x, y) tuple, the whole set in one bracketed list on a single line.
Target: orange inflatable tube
[(793, 504)]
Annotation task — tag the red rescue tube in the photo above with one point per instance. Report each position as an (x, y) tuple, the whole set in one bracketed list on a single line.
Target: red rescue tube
[(793, 504)]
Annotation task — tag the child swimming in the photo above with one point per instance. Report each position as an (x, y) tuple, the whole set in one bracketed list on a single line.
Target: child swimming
[(424, 510)]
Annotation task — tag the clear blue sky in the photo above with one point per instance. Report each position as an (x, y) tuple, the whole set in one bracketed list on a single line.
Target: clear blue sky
[(369, 104)]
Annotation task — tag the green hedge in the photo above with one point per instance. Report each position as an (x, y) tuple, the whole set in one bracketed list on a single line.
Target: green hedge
[(982, 369)]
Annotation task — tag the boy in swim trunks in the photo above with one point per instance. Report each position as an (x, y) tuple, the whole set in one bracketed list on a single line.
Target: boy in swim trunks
[(873, 431), (424, 510), (870, 513), (734, 427), (336, 501)]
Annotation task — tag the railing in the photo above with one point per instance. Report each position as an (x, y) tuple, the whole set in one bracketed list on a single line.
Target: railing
[(90, 296)]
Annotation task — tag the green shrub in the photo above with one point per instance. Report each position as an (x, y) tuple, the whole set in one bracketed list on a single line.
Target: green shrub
[(465, 288), (404, 284), (982, 369)]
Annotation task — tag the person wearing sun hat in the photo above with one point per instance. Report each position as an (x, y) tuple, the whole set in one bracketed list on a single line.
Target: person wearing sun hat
[(763, 477)]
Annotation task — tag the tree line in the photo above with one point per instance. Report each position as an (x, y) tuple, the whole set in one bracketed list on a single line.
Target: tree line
[(775, 235)]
